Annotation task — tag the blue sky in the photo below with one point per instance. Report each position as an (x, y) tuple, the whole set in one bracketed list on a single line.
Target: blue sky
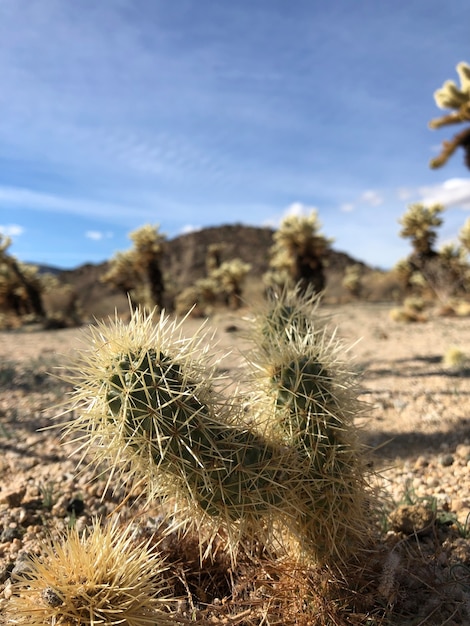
[(195, 113)]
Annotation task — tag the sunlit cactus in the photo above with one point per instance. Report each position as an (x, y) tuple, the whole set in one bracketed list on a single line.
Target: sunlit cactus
[(20, 285), (223, 284), (151, 405), (200, 298), (419, 224), (464, 235), (450, 96), (104, 576), (229, 277), (352, 280), (137, 272), (299, 367), (297, 255), (214, 256)]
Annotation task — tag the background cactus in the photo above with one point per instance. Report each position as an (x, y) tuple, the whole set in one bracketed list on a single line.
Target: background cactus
[(290, 466), (20, 285), (137, 272), (297, 255), (449, 96)]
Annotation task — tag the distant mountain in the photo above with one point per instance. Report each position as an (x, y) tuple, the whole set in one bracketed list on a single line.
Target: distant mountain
[(184, 261), (46, 269)]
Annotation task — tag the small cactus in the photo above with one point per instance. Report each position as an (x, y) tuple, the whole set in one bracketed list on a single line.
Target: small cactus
[(102, 577), (289, 467)]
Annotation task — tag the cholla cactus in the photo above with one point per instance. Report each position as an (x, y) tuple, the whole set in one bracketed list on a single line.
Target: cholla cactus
[(105, 576), (464, 236), (449, 96), (137, 272), (224, 282), (312, 400), (213, 256), (352, 279), (20, 285), (229, 277), (289, 467), (298, 253), (200, 298), (419, 224)]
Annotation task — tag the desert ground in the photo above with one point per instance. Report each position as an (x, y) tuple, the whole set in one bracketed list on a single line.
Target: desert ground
[(416, 425)]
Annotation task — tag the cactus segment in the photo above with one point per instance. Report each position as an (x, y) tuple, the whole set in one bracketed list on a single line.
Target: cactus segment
[(230, 471)]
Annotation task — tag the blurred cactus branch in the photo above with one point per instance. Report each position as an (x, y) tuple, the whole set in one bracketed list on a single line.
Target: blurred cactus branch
[(461, 140), (450, 96)]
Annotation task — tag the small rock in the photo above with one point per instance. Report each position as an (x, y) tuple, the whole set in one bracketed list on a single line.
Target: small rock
[(446, 460), (9, 534), (412, 519), (12, 497), (421, 462), (463, 452)]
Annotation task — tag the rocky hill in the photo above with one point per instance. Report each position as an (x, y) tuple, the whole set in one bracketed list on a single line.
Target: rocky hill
[(184, 262)]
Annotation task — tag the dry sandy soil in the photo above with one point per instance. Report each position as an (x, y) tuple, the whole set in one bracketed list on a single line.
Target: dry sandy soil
[(417, 422)]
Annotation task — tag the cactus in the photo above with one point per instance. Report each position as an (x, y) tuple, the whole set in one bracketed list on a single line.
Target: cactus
[(288, 472), (297, 255), (314, 402), (20, 285), (104, 577), (449, 96), (137, 272)]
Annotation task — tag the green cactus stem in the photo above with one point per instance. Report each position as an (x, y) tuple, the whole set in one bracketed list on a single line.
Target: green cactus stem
[(298, 363), (148, 403)]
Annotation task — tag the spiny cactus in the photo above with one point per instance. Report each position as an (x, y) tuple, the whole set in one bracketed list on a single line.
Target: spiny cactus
[(150, 404), (289, 467), (105, 576), (137, 272), (298, 366), (419, 224), (20, 285), (449, 96), (297, 255), (352, 279)]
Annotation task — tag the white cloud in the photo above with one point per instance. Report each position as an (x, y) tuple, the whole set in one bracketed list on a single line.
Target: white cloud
[(371, 197), (347, 207), (97, 235), (404, 194), (189, 228), (11, 230), (452, 192), (298, 208)]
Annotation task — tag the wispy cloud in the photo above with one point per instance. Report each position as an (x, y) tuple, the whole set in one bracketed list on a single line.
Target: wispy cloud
[(97, 235), (38, 201), (11, 230), (454, 192), (372, 198)]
